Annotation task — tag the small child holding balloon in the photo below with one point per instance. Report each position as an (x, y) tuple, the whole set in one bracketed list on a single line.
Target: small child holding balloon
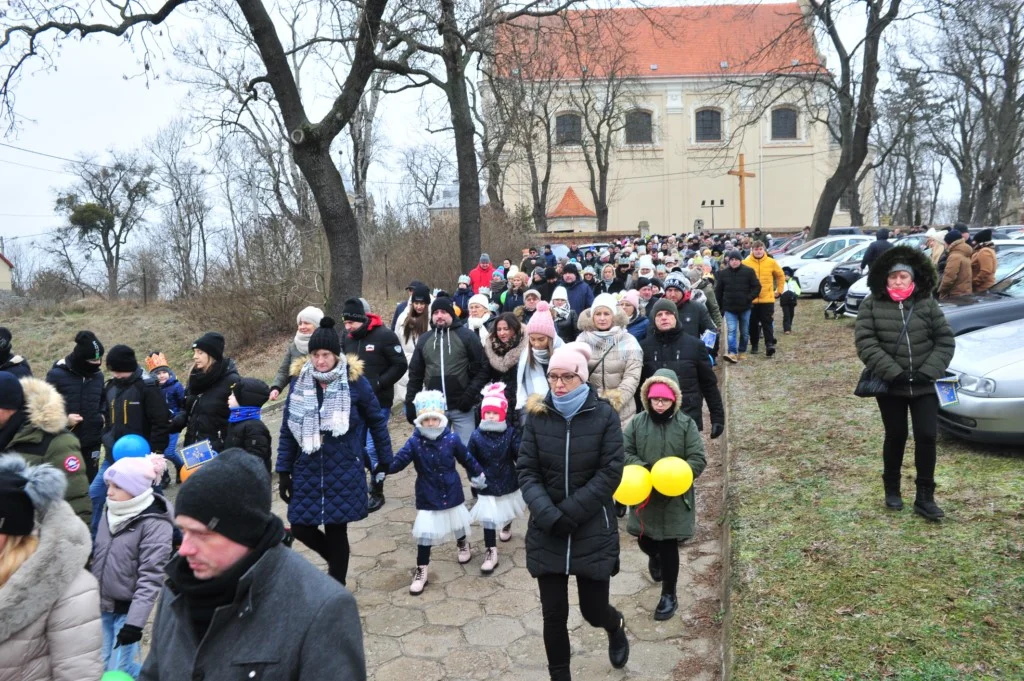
[(662, 431)]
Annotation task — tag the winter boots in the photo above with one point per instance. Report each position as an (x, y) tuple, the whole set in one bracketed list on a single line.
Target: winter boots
[(924, 503), (769, 350), (465, 552), (506, 533), (667, 607), (376, 501), (731, 359), (560, 672), (419, 580), (618, 645), (490, 561), (893, 500)]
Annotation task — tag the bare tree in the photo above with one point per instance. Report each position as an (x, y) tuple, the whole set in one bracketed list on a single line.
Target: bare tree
[(429, 168), (105, 206), (31, 23)]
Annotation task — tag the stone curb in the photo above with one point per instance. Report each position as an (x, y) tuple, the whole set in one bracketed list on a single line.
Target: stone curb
[(726, 586)]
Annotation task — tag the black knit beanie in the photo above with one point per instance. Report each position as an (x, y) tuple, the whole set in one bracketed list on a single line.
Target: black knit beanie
[(443, 303), (326, 338), (121, 358), (212, 343), (353, 311), (230, 494), (251, 392), (664, 304), (87, 347), (952, 236)]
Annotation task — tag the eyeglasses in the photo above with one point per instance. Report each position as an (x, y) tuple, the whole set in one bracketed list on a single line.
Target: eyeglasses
[(564, 379)]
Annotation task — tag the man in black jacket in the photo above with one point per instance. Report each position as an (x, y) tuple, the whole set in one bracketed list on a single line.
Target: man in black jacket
[(449, 358), (736, 288), (135, 406), (879, 246), (384, 364), (668, 347), (79, 380)]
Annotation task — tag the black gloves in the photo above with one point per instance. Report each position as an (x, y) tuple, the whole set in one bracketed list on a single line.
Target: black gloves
[(284, 486), (410, 412), (717, 429), (563, 527), (921, 378), (903, 379), (466, 403), (128, 635)]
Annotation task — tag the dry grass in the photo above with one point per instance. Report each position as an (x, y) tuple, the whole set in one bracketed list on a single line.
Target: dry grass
[(826, 583)]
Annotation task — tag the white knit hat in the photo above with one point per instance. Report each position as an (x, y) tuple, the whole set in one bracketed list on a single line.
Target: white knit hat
[(606, 300), (480, 300), (560, 293), (310, 314)]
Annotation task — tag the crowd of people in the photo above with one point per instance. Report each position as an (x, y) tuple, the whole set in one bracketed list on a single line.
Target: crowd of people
[(541, 380)]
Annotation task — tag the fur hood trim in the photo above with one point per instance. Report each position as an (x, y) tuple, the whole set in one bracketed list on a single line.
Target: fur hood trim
[(64, 547), (355, 367), (586, 320), (614, 397), (925, 277), (658, 378), (509, 360), (535, 405), (45, 406)]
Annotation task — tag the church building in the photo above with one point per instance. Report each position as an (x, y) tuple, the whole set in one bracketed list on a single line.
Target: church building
[(709, 125)]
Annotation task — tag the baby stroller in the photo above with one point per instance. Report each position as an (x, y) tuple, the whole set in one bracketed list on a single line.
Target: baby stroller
[(836, 286)]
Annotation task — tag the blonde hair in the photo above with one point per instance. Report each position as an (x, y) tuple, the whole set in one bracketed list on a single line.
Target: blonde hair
[(16, 551)]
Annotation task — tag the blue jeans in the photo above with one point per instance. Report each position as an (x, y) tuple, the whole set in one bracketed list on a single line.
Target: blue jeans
[(98, 494), (742, 321), (371, 449), (126, 658), (171, 453), (462, 423)]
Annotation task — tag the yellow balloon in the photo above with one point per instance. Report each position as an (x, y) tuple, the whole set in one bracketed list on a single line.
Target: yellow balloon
[(671, 476), (635, 486)]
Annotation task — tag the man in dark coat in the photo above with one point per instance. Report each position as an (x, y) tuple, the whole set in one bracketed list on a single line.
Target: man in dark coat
[(79, 380), (239, 604), (736, 288), (691, 310), (10, 362), (667, 347), (581, 296), (449, 358), (879, 246), (384, 364)]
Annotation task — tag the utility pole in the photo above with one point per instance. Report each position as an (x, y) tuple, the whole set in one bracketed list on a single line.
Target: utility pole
[(713, 206)]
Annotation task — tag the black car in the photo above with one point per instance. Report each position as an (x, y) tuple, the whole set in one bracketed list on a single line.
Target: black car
[(1004, 302)]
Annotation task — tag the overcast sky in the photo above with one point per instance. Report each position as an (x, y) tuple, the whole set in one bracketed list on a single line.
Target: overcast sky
[(88, 107)]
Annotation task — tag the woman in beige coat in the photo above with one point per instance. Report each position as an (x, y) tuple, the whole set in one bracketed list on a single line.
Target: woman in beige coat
[(49, 603), (616, 359)]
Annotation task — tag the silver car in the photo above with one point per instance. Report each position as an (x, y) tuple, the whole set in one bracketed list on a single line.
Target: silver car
[(989, 365)]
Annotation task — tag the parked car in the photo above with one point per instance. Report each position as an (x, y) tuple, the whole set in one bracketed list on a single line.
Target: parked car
[(819, 249), (833, 231), (786, 244), (1002, 303), (1009, 258), (989, 365), (812, 276)]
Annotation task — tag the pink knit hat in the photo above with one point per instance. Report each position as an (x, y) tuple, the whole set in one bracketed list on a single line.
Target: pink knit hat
[(661, 390), (136, 474), (542, 321), (632, 297), (571, 357), (494, 400)]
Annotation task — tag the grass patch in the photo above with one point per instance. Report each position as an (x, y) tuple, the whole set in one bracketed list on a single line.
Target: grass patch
[(829, 585)]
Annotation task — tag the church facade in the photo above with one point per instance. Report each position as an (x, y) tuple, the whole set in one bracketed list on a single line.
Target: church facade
[(701, 139)]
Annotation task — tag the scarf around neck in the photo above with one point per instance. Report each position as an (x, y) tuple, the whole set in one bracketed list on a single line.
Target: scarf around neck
[(899, 296), (301, 341), (244, 414), (120, 512), (569, 404), (307, 417)]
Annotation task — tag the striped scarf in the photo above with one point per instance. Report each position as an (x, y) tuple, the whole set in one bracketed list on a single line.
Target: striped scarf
[(305, 419)]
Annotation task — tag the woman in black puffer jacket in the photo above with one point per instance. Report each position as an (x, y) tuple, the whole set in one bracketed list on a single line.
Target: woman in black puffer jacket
[(206, 411), (570, 463), (901, 281)]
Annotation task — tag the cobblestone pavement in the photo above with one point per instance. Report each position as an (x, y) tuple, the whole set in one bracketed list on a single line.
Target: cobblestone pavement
[(469, 626)]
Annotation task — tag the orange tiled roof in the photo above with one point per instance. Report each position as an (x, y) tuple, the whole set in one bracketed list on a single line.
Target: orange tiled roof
[(681, 41), (571, 207)]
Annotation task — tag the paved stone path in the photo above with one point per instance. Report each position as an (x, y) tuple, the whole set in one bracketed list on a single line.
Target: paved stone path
[(469, 626)]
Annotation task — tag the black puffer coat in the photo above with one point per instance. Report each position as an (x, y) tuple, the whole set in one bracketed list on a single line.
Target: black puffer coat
[(926, 349), (136, 406), (737, 288), (83, 395), (253, 436), (384, 361), (688, 358), (206, 405), (570, 469)]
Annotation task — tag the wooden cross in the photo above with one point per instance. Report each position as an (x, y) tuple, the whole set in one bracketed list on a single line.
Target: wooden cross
[(743, 175)]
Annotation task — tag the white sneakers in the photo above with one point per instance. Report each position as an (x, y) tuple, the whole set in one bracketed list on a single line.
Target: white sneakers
[(419, 580), (490, 561)]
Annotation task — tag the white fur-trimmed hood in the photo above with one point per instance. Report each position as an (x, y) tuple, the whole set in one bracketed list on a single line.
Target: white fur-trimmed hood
[(45, 406)]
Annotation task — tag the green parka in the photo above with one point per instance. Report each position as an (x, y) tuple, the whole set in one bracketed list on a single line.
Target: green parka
[(927, 347), (647, 441)]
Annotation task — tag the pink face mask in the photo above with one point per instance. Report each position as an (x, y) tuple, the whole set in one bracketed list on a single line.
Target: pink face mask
[(899, 295)]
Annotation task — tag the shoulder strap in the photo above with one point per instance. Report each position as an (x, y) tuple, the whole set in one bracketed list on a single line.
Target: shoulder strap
[(906, 321)]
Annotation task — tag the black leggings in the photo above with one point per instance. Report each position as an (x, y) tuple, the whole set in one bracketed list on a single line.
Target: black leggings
[(423, 551), (331, 544), (924, 413), (667, 550), (554, 604)]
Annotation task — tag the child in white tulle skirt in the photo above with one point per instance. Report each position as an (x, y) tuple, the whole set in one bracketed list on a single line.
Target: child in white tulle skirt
[(496, 447), (441, 514)]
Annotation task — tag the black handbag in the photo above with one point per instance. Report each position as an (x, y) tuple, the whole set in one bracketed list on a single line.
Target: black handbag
[(870, 385)]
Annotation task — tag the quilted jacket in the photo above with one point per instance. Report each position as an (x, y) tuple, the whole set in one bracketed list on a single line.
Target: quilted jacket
[(329, 485), (615, 363), (206, 405), (438, 485), (129, 565), (253, 436), (83, 395), (687, 357), (570, 469), (50, 608), (497, 453)]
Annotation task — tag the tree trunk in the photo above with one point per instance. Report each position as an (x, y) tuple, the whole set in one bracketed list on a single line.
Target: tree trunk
[(112, 291), (856, 214), (339, 222)]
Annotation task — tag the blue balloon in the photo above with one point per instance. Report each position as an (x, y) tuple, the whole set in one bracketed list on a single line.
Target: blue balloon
[(130, 446)]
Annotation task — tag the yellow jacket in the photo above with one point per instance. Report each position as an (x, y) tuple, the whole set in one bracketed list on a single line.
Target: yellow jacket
[(767, 269)]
